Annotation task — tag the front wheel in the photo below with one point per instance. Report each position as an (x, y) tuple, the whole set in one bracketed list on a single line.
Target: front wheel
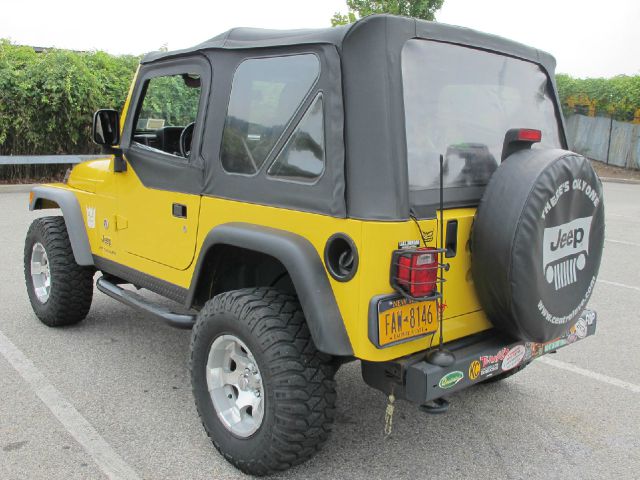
[(265, 395), (60, 290)]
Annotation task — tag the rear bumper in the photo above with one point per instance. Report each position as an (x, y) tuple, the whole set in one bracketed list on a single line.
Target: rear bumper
[(478, 358)]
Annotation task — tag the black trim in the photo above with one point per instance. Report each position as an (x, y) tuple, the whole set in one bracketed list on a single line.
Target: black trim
[(179, 210), (364, 115), (291, 125), (141, 280), (418, 381), (451, 239), (73, 218), (132, 299), (326, 195), (305, 268), (330, 262), (158, 169)]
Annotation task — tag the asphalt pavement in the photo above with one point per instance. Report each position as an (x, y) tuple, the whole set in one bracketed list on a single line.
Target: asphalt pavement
[(112, 394)]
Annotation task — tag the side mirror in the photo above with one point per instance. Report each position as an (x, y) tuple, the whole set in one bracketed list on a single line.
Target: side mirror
[(106, 127)]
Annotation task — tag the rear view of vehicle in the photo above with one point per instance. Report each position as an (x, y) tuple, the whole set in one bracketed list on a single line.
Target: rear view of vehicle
[(508, 226), (393, 191)]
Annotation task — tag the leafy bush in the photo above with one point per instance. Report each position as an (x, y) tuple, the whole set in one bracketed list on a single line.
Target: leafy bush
[(618, 96), (47, 99)]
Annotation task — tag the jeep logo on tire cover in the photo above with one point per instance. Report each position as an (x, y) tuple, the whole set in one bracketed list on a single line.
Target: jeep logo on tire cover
[(537, 243), (565, 251)]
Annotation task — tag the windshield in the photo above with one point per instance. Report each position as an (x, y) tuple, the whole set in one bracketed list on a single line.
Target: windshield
[(459, 102)]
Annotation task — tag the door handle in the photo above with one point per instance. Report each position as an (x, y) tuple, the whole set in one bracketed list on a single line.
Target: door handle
[(179, 210)]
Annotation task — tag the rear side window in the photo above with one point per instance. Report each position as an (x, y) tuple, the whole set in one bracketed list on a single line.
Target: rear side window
[(302, 157), (265, 95)]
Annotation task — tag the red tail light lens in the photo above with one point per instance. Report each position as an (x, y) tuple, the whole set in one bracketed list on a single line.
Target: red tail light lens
[(529, 135), (415, 271)]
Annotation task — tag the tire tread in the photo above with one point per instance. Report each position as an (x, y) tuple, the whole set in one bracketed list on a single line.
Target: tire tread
[(302, 378), (72, 284)]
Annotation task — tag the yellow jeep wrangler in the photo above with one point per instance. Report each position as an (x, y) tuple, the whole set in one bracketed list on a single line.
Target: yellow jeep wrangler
[(393, 191)]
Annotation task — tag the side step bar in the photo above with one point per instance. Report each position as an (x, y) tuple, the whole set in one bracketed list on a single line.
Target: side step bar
[(178, 320)]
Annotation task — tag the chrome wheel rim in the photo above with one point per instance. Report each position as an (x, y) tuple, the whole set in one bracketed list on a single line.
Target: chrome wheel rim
[(235, 386), (40, 272)]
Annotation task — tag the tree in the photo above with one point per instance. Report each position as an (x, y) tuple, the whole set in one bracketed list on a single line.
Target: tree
[(424, 9)]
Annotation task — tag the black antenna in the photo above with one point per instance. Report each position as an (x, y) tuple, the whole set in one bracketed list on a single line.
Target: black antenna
[(441, 356)]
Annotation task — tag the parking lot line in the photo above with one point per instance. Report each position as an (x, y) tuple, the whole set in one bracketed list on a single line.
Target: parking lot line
[(623, 217), (622, 242), (113, 466), (588, 373), (616, 284)]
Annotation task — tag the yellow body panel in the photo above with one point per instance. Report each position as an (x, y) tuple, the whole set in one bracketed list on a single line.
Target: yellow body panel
[(133, 225), (141, 233), (148, 229)]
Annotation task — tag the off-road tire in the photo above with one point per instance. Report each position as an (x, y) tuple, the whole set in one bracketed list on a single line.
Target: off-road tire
[(71, 284), (298, 381)]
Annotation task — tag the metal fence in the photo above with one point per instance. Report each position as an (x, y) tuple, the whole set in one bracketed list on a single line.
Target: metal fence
[(606, 140), (46, 159)]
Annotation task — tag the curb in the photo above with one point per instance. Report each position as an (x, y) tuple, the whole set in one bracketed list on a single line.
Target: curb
[(17, 188), (620, 180)]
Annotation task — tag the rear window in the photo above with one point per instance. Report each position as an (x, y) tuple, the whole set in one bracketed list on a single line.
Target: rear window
[(265, 95), (459, 102)]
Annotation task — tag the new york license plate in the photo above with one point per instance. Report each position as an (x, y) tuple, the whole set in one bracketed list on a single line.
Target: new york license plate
[(402, 319)]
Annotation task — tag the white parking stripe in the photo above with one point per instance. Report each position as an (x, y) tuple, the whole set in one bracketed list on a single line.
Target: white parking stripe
[(588, 373), (622, 242), (624, 217), (616, 284), (113, 466)]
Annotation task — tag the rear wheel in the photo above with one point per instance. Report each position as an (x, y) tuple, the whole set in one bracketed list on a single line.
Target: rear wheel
[(265, 395), (60, 290)]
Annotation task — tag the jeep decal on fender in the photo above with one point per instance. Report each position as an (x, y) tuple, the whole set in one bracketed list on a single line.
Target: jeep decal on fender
[(565, 250)]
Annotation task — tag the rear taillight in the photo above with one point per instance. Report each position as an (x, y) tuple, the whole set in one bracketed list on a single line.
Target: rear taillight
[(415, 272)]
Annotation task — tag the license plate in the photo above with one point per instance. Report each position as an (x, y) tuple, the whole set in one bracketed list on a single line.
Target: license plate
[(400, 319)]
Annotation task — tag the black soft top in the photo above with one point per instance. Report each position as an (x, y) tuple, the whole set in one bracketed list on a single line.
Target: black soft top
[(247, 38), (362, 72)]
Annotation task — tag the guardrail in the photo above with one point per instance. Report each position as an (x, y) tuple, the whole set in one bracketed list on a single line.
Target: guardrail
[(47, 159)]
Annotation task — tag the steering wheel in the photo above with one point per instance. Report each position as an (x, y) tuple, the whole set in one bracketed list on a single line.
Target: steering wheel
[(185, 139)]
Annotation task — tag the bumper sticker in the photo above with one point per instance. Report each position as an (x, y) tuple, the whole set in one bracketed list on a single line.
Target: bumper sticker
[(450, 379)]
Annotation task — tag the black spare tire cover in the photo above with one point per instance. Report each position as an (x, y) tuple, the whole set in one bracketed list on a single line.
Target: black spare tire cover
[(537, 243)]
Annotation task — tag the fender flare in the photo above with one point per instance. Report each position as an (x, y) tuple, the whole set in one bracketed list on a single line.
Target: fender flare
[(307, 272), (73, 219)]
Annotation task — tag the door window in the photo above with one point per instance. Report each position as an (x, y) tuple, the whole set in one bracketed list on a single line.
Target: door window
[(167, 114)]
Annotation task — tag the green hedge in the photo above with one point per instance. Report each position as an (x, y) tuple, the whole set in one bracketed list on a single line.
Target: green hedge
[(618, 96), (47, 100)]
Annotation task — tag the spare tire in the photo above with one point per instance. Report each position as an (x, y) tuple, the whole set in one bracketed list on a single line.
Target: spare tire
[(537, 243)]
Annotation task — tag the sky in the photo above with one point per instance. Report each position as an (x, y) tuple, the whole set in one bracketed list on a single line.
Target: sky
[(588, 38)]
